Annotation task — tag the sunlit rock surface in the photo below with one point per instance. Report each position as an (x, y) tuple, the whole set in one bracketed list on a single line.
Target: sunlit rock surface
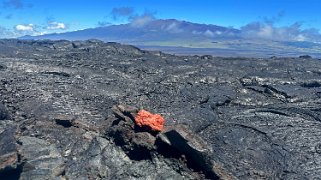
[(256, 118)]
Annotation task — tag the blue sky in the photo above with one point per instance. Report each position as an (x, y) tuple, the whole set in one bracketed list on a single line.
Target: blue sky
[(21, 17)]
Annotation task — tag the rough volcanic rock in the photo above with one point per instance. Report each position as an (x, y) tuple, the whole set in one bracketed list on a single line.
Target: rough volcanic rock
[(4, 115), (41, 159), (9, 160), (183, 140), (259, 118), (2, 67)]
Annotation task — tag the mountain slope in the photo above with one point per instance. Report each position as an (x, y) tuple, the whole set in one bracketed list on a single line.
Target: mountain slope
[(157, 30), (166, 34)]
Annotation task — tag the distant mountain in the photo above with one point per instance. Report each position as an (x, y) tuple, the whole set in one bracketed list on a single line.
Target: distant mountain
[(193, 37), (161, 31)]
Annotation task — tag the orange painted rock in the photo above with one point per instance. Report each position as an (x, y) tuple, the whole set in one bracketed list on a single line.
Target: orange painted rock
[(155, 122)]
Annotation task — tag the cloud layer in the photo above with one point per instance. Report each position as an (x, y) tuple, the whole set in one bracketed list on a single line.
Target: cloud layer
[(31, 29), (56, 25), (294, 32)]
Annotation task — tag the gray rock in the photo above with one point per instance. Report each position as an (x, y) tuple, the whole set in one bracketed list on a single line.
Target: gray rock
[(2, 67), (259, 118), (9, 162), (182, 139), (4, 114), (42, 159)]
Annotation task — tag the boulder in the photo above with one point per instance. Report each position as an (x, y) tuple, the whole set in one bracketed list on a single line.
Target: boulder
[(180, 138), (134, 141)]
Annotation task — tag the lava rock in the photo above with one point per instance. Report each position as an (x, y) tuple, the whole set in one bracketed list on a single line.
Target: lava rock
[(144, 140), (9, 163), (3, 67), (123, 130), (305, 57), (259, 118), (181, 138), (63, 74), (206, 57), (311, 84), (4, 114), (42, 159)]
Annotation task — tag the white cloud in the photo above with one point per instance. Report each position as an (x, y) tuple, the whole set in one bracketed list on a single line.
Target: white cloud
[(173, 28), (27, 27), (208, 33), (196, 32), (218, 32), (56, 25), (266, 31), (141, 20), (294, 32)]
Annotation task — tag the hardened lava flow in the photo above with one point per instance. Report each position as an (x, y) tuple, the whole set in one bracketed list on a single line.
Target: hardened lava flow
[(95, 110)]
